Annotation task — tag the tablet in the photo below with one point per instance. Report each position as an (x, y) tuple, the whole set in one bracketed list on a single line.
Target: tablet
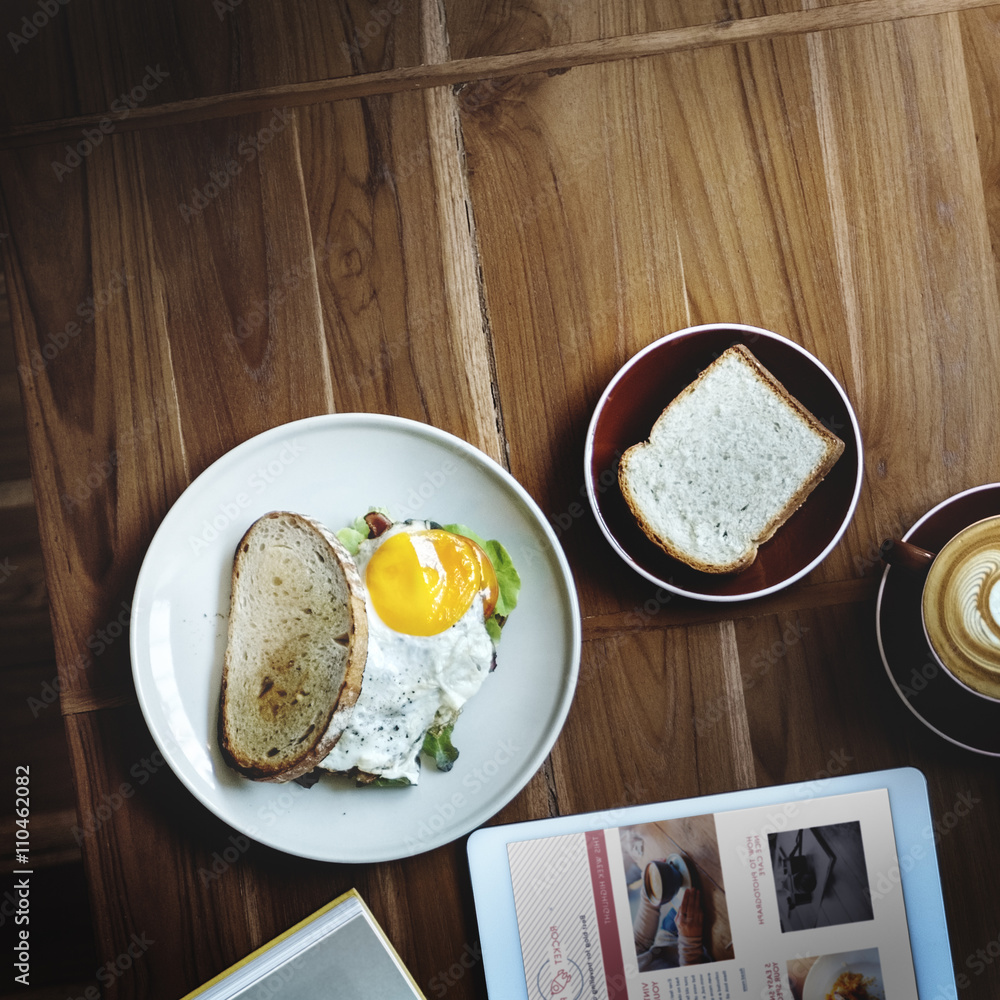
[(791, 892)]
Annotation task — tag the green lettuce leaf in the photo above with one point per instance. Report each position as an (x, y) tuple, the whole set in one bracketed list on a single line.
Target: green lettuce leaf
[(381, 782), (508, 578), (351, 539), (493, 629), (437, 744)]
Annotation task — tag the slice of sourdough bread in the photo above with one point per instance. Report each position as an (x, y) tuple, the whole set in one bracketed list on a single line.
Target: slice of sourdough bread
[(727, 463), (298, 639)]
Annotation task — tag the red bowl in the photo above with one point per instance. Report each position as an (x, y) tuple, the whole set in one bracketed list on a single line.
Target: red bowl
[(638, 394)]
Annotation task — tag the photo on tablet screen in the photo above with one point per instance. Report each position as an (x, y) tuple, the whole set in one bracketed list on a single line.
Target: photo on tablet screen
[(820, 876), (676, 893), (850, 975)]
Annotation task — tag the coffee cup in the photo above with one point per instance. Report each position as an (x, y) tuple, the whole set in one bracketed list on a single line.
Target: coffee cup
[(960, 602), (661, 880)]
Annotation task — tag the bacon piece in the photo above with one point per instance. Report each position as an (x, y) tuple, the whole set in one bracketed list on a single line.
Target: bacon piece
[(377, 523)]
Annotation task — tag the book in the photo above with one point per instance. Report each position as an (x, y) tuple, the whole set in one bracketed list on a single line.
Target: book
[(341, 947)]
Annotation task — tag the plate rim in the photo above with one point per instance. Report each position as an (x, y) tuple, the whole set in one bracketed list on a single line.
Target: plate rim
[(652, 577), (572, 626), (878, 620)]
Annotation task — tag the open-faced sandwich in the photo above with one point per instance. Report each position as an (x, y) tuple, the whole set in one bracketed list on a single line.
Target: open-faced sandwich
[(353, 653)]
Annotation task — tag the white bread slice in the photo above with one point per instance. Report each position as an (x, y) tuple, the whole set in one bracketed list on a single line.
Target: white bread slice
[(727, 463), (298, 641)]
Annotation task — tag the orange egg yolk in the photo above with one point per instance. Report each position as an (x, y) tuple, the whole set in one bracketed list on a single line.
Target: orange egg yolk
[(423, 582)]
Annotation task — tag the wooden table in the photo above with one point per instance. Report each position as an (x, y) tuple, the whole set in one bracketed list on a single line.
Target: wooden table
[(218, 217)]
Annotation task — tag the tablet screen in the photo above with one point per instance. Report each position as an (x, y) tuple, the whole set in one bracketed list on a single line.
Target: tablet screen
[(801, 899)]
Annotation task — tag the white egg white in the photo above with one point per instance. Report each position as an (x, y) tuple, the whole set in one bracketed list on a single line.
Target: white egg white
[(411, 683)]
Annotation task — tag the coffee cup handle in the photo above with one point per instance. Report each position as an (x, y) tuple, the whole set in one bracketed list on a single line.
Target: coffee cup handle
[(906, 555)]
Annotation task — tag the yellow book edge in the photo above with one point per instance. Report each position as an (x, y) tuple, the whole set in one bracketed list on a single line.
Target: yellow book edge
[(295, 928)]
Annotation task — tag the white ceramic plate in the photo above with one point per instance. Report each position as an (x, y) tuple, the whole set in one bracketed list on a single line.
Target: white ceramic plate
[(826, 969), (334, 467)]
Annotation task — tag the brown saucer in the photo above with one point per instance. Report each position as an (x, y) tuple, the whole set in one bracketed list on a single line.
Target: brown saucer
[(626, 413), (940, 702)]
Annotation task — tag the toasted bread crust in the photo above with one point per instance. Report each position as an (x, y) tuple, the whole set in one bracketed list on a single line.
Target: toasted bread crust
[(834, 449), (337, 714)]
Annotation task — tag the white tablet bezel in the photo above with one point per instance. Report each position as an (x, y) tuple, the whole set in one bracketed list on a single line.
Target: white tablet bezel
[(914, 835)]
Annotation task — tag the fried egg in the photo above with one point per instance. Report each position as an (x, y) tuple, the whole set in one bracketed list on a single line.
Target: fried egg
[(428, 593)]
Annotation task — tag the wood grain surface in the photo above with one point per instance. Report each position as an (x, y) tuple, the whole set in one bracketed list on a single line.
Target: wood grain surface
[(473, 220)]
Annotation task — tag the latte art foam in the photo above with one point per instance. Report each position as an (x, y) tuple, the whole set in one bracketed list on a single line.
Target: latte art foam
[(992, 615), (973, 584), (961, 607)]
